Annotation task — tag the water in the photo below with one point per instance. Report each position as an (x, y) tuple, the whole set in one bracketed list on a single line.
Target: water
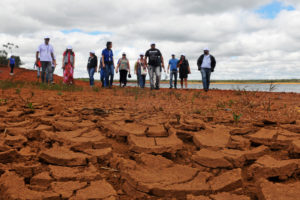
[(248, 87)]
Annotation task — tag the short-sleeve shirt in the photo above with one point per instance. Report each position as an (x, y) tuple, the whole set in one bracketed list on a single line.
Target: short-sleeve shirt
[(12, 61), (108, 56), (173, 64), (154, 57), (45, 52)]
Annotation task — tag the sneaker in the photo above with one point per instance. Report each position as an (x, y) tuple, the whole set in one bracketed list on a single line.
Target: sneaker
[(156, 88), (11, 74)]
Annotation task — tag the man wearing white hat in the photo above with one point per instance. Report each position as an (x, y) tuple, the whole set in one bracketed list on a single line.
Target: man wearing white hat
[(155, 62), (45, 54), (206, 65)]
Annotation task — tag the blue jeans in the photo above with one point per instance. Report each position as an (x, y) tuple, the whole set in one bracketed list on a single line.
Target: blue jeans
[(110, 71), (46, 68), (206, 72), (173, 73), (103, 77), (141, 78), (49, 75), (91, 75)]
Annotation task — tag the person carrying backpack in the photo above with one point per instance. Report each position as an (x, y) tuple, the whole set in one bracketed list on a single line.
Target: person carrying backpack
[(155, 62), (68, 65)]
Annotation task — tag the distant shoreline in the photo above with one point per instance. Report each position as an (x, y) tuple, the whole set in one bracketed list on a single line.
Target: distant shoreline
[(277, 82)]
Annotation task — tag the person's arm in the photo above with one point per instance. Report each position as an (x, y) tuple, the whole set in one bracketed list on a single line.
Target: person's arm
[(37, 56), (128, 66), (113, 62), (53, 57), (135, 68), (103, 64), (213, 63), (145, 60), (118, 65), (96, 64), (74, 62), (168, 67), (63, 62)]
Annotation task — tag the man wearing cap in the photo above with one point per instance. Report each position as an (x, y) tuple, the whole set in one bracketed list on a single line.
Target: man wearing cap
[(206, 64), (92, 66), (155, 62), (45, 54), (173, 71), (108, 64)]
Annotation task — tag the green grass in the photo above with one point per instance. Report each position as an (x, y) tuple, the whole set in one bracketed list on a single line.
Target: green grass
[(6, 84)]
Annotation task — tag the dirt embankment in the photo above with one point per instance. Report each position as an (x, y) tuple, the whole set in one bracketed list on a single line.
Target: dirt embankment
[(141, 144)]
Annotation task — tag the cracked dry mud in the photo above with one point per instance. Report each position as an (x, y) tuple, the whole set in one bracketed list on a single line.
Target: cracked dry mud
[(114, 145)]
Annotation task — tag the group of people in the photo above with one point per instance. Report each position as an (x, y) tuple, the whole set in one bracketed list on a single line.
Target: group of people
[(152, 63)]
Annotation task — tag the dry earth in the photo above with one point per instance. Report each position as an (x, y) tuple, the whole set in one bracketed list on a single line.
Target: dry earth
[(137, 144)]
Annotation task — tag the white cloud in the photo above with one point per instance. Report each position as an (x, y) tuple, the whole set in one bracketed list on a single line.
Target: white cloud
[(245, 45)]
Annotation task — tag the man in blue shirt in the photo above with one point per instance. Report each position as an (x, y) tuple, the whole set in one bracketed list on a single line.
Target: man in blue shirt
[(11, 64), (108, 64), (173, 71)]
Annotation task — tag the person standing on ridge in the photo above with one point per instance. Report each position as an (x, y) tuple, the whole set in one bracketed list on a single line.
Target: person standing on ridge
[(11, 64), (124, 66), (108, 64), (45, 54), (206, 65), (155, 62), (184, 70), (173, 71), (92, 67)]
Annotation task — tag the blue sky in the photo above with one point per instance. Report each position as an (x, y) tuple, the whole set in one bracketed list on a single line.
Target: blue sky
[(271, 10), (76, 30)]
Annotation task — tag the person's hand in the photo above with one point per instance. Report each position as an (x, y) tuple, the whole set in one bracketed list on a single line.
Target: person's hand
[(104, 66), (212, 70)]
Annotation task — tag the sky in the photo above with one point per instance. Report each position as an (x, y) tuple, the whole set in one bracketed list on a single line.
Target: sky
[(250, 39)]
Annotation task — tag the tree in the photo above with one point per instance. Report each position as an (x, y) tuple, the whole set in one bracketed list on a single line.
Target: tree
[(4, 59)]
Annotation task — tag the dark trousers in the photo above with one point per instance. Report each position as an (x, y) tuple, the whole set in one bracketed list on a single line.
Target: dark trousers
[(46, 67), (12, 66), (123, 77), (173, 74)]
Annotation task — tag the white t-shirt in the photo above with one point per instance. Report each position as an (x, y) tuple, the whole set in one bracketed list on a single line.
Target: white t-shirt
[(206, 62), (45, 52)]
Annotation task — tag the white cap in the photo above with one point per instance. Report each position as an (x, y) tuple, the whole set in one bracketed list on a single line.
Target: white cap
[(47, 37), (123, 53), (152, 43), (142, 54), (69, 47), (93, 52), (206, 49)]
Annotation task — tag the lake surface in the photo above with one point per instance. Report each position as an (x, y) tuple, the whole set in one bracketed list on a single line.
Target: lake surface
[(248, 87)]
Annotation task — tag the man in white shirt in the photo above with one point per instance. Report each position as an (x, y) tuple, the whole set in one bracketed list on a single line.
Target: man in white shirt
[(206, 64), (45, 54)]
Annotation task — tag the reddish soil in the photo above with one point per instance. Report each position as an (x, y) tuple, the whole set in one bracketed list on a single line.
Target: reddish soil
[(140, 144)]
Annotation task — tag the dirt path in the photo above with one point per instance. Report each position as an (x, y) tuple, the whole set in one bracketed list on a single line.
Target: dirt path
[(137, 144)]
